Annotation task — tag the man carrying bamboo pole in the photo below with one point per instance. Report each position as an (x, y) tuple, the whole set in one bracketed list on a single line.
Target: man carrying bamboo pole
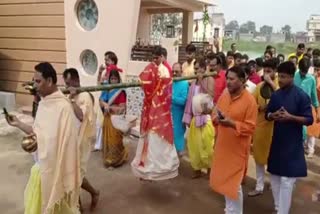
[(83, 107), (156, 157), (54, 183)]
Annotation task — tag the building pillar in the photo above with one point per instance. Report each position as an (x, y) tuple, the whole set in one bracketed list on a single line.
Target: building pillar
[(144, 25), (187, 27)]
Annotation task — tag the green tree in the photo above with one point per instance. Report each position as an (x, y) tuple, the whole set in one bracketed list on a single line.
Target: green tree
[(287, 30), (161, 21), (206, 21), (248, 27), (233, 25), (251, 26)]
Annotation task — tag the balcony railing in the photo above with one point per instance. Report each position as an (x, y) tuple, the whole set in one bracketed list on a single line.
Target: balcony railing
[(142, 53), (202, 49)]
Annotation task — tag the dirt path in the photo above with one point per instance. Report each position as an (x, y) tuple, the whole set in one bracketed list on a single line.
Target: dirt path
[(122, 193)]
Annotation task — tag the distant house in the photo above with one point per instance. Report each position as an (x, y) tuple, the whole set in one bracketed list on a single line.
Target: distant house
[(214, 29), (277, 37), (301, 37), (313, 28), (218, 25), (246, 36), (232, 34)]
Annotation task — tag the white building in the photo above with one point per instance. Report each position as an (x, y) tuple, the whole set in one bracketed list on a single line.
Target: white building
[(215, 29), (77, 33), (313, 28)]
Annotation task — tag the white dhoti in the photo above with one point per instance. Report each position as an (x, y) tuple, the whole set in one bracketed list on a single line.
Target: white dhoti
[(85, 151), (99, 129), (98, 144), (161, 161)]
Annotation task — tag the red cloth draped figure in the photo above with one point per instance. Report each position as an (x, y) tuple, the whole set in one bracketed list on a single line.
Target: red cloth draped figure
[(156, 157)]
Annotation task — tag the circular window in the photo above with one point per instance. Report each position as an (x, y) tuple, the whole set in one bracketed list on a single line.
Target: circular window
[(87, 12), (89, 61)]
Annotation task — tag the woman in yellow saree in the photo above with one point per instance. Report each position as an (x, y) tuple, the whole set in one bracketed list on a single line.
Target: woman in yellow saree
[(113, 102)]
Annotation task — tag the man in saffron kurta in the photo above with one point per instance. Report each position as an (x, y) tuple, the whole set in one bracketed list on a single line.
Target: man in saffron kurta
[(316, 69), (263, 135), (54, 184), (188, 66), (235, 129), (156, 157)]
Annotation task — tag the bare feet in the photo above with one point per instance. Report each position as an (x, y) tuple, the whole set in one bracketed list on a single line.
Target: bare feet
[(145, 180), (95, 200), (196, 174)]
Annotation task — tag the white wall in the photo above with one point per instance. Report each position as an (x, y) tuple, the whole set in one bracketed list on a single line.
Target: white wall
[(116, 31), (173, 51), (136, 67), (198, 36)]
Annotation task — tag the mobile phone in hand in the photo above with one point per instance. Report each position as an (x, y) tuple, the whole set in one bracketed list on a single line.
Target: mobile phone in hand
[(6, 114), (220, 116)]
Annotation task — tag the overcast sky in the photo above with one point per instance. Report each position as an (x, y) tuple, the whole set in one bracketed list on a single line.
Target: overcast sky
[(271, 12)]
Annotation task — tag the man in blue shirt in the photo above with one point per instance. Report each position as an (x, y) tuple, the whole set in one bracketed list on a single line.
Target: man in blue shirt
[(290, 108)]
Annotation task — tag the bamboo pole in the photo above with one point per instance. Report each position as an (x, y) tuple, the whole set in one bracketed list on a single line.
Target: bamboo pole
[(123, 85)]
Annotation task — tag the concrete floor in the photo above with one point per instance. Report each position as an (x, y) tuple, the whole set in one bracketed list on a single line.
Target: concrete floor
[(122, 193)]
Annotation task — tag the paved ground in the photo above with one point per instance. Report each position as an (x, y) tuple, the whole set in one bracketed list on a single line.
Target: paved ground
[(122, 193)]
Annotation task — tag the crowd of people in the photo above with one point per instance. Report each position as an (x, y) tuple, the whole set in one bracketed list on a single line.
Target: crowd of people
[(269, 104)]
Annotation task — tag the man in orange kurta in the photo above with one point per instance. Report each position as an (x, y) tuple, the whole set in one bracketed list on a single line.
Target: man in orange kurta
[(236, 123)]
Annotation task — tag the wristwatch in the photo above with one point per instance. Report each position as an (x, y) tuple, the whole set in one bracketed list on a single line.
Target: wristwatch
[(269, 115)]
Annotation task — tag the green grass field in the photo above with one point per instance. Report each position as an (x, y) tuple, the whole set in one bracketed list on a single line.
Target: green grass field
[(258, 48)]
